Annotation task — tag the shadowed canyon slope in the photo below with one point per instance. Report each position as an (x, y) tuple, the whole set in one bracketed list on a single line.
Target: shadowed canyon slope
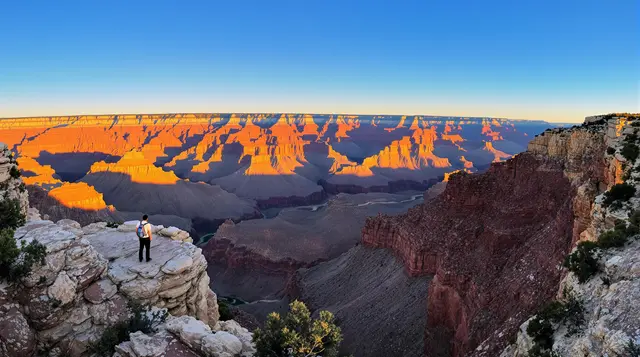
[(264, 160), (493, 241)]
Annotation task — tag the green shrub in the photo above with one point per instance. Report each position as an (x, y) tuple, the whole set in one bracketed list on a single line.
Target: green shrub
[(630, 151), (619, 192), (537, 351), (614, 238), (631, 138), (632, 230), (297, 335), (541, 331), (635, 124), (10, 214), (113, 224), (568, 311), (224, 310), (583, 262), (573, 316), (16, 262), (140, 319), (14, 172), (611, 150)]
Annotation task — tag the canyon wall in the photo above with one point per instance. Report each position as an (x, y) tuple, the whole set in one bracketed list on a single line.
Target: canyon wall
[(274, 160), (493, 241)]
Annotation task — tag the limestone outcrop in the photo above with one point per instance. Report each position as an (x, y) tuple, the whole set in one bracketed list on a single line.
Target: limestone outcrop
[(91, 272), (188, 337), (88, 279)]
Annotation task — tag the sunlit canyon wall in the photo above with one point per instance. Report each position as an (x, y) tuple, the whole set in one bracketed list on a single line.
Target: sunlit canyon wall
[(219, 166)]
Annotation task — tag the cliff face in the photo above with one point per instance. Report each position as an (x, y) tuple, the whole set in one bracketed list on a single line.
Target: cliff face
[(88, 277), (493, 241), (608, 299)]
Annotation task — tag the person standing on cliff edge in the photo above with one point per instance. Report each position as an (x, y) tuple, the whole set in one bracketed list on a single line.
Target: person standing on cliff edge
[(143, 231)]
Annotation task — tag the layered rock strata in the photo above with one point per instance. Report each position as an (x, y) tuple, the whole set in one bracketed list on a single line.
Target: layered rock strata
[(493, 241), (611, 319)]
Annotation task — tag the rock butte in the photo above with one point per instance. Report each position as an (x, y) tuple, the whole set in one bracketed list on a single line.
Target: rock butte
[(79, 195)]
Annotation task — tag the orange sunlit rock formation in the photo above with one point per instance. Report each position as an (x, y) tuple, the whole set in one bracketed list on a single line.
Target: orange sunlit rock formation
[(139, 168), (497, 154), (79, 195), (36, 174), (411, 152), (293, 150)]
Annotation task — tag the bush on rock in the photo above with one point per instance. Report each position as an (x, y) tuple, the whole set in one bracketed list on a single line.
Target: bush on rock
[(11, 214), (297, 335), (16, 262), (141, 319)]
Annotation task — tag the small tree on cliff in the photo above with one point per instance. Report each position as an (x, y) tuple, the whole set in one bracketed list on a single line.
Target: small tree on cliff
[(297, 335), (10, 214)]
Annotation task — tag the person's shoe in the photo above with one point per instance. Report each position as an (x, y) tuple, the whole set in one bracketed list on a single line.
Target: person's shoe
[(148, 260), (140, 260)]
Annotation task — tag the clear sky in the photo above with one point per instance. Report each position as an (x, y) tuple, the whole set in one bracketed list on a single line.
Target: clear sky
[(554, 60)]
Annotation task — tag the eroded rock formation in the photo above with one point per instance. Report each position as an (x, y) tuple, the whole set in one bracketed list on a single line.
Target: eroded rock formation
[(89, 276), (275, 159), (493, 241)]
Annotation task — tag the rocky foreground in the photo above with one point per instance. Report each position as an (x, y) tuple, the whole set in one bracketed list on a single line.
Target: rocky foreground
[(92, 272), (90, 276)]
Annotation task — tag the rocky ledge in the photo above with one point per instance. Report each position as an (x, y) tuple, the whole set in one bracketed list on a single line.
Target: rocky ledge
[(88, 278)]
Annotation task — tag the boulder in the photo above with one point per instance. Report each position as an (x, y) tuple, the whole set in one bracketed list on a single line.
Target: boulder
[(17, 339), (221, 344), (63, 289)]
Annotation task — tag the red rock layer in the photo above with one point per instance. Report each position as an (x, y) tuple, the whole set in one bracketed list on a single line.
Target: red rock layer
[(224, 251), (493, 242)]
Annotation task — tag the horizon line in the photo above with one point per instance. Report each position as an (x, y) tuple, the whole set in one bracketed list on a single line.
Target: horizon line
[(294, 113)]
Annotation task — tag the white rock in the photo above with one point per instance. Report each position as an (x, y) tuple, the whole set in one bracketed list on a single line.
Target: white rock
[(178, 264), (189, 330), (221, 344), (63, 289), (146, 346)]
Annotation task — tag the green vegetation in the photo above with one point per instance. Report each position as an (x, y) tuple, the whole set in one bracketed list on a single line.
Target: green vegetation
[(11, 214), (620, 192), (297, 335), (583, 262), (140, 319), (631, 138), (611, 150), (630, 151), (113, 224), (14, 172), (16, 262), (225, 310), (568, 312)]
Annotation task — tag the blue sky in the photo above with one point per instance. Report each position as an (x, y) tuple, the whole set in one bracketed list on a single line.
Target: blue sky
[(554, 60)]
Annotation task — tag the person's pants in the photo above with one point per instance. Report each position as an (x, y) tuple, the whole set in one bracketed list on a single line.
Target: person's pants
[(144, 243)]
